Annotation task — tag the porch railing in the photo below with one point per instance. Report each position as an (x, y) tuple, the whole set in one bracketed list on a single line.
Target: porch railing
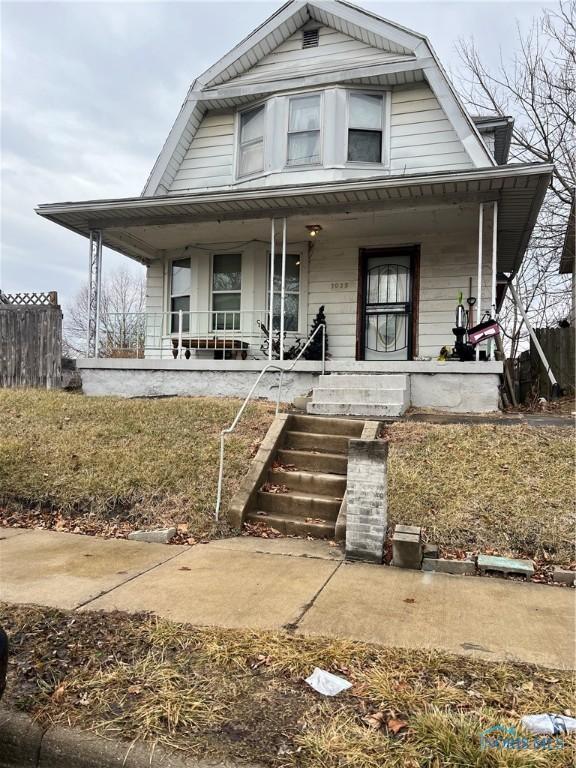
[(267, 369), (230, 334)]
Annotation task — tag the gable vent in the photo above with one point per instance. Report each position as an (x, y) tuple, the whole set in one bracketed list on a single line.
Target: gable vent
[(310, 38)]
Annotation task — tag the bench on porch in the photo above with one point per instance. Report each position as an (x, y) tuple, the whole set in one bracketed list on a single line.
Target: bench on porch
[(216, 344)]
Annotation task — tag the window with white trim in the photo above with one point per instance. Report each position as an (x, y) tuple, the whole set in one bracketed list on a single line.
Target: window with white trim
[(291, 293), (251, 141), (365, 126), (304, 130), (226, 291), (180, 287)]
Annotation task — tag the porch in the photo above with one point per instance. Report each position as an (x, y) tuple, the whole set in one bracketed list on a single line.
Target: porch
[(235, 279)]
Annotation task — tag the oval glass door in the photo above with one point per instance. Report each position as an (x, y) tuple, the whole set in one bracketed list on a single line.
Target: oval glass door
[(387, 307)]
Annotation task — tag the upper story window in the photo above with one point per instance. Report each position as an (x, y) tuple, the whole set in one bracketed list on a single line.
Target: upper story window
[(180, 285), (251, 154), (365, 127), (304, 130)]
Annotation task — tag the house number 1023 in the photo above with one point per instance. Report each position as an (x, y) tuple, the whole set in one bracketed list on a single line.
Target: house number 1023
[(340, 286)]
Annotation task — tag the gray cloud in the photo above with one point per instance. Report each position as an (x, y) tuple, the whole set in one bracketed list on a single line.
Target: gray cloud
[(90, 91)]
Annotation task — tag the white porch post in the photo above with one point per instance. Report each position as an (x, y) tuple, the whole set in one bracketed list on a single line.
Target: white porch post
[(271, 302), (479, 292), (94, 286), (283, 289), (494, 270)]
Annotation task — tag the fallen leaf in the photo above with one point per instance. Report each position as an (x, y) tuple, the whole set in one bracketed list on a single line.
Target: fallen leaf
[(409, 600), (529, 686), (374, 721), (58, 693), (184, 568), (395, 726)]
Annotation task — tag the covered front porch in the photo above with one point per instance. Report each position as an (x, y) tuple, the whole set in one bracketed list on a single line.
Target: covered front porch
[(237, 279)]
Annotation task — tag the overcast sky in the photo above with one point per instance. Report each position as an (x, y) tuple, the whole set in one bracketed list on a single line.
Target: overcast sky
[(90, 91)]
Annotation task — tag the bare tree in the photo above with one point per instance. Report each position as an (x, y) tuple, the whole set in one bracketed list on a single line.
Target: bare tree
[(537, 88), (122, 301)]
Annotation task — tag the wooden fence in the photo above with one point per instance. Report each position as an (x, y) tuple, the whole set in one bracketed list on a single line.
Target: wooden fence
[(30, 341), (558, 346)]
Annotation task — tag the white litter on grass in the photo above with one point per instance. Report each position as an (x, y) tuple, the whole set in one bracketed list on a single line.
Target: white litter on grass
[(327, 683), (549, 725)]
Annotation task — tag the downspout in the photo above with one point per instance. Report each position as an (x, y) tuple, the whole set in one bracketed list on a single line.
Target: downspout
[(555, 386)]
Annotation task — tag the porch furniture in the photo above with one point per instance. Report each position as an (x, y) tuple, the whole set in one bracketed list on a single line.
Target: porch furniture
[(238, 347)]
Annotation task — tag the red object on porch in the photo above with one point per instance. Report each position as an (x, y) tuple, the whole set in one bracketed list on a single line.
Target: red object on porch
[(486, 330)]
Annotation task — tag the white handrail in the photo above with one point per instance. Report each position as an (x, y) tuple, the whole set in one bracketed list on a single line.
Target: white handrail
[(269, 367)]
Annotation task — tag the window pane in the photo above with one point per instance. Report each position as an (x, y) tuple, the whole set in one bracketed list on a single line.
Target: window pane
[(292, 272), (304, 148), (304, 113), (291, 302), (181, 276), (365, 146), (177, 304), (251, 158), (252, 125), (223, 314), (227, 272), (366, 111)]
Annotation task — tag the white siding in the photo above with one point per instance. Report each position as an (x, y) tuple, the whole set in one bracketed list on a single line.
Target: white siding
[(421, 136), (209, 158), (154, 307), (335, 50)]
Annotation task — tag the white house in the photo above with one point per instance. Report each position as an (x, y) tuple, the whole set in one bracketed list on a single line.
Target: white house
[(326, 161)]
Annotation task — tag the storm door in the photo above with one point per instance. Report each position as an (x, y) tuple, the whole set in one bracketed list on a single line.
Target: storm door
[(387, 305)]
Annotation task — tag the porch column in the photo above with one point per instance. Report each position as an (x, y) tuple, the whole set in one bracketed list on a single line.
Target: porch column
[(271, 297), (283, 289), (94, 285), (494, 271), (479, 292)]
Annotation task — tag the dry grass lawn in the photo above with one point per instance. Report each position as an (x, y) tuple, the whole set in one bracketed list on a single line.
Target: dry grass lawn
[(238, 694), (149, 461), (123, 463), (510, 489)]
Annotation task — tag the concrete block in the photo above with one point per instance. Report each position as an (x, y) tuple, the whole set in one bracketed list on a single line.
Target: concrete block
[(159, 536), (406, 551), (505, 565), (431, 550), (413, 530), (562, 576), (457, 567), (20, 739)]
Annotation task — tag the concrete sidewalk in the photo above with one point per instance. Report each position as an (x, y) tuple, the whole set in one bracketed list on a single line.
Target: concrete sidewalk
[(291, 583)]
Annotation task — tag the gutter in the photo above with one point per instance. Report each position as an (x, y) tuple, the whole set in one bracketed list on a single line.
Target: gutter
[(227, 194)]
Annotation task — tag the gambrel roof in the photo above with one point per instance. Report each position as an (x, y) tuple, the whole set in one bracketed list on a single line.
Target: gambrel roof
[(247, 73)]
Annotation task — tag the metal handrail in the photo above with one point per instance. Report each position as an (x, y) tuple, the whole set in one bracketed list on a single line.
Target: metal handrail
[(266, 369)]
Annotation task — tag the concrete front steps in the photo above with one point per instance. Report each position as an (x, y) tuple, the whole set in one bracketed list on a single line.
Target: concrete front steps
[(309, 475), (374, 396)]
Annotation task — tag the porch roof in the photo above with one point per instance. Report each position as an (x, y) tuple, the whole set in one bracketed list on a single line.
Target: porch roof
[(519, 189)]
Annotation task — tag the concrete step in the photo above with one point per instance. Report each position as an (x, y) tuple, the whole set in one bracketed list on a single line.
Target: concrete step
[(294, 526), (367, 381), (358, 395), (310, 441), (322, 426), (298, 504), (319, 483), (330, 463), (368, 410)]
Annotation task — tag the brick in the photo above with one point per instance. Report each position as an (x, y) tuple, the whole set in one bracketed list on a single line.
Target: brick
[(159, 536), (366, 514), (562, 576), (505, 565), (456, 567), (406, 551)]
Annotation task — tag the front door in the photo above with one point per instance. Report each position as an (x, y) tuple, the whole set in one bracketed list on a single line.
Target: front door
[(386, 320)]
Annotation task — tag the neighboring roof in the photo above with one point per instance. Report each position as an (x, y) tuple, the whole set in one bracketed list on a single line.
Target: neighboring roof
[(567, 257), (415, 54), (502, 128), (519, 189)]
